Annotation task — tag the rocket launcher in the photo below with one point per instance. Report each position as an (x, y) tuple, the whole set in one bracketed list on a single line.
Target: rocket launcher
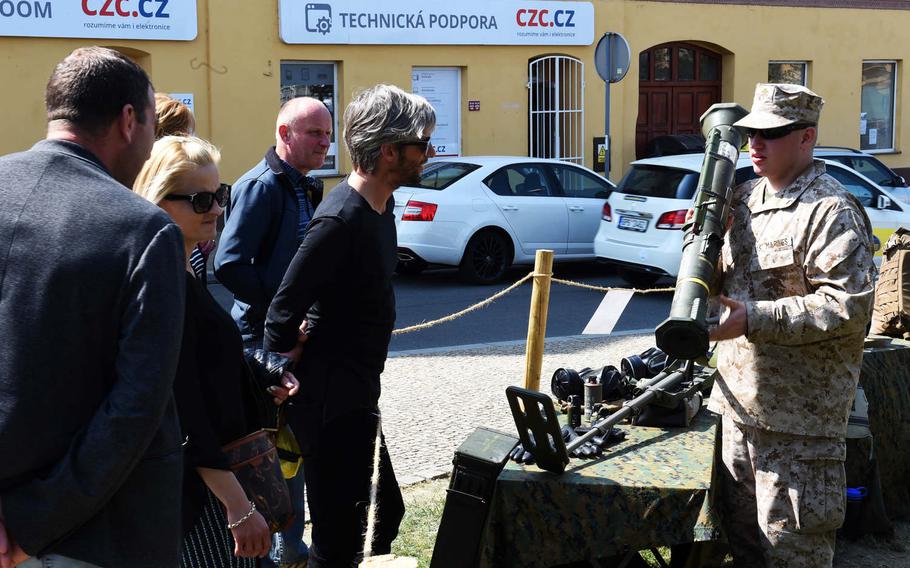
[(684, 335)]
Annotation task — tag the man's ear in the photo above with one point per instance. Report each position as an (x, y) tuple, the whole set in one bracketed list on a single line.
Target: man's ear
[(811, 135), (126, 122), (389, 152), (283, 132)]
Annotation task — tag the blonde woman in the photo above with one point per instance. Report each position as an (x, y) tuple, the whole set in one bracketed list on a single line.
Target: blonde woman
[(213, 391)]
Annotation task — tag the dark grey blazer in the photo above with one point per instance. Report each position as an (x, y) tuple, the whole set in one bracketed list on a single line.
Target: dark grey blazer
[(91, 318)]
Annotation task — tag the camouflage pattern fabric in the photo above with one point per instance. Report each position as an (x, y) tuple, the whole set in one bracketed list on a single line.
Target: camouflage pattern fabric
[(885, 378), (777, 104), (782, 496), (801, 261), (891, 311), (650, 489)]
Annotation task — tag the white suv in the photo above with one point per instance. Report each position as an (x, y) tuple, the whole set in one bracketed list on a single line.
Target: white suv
[(641, 227)]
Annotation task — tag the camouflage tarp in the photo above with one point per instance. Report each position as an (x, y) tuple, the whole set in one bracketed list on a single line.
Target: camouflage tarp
[(885, 378), (650, 489)]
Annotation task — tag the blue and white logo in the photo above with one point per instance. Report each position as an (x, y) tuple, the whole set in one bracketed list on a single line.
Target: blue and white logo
[(319, 18)]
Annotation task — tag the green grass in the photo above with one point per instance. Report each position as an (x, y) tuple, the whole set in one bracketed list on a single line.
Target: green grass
[(423, 510)]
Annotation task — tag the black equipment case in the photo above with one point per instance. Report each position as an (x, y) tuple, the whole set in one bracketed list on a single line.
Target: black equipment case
[(477, 463)]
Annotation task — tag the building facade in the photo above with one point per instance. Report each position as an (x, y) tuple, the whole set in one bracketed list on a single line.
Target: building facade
[(508, 77)]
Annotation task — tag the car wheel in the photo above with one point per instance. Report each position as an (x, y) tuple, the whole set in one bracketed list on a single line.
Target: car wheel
[(486, 258), (410, 267), (638, 278)]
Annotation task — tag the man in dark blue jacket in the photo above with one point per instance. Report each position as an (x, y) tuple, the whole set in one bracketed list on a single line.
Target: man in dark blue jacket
[(91, 312), (271, 206)]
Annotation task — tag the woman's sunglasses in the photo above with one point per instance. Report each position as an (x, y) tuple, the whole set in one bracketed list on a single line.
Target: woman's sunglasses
[(203, 201), (779, 132)]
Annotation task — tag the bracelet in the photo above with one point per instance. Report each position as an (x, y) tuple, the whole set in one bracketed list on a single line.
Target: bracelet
[(243, 519)]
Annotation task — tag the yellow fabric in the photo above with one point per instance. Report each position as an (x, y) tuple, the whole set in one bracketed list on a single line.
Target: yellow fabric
[(286, 441)]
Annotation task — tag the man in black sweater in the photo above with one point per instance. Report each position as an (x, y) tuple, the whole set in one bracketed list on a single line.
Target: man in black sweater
[(91, 312), (334, 313)]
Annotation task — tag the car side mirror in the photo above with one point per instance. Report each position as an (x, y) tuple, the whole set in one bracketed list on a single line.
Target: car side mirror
[(901, 181), (883, 202)]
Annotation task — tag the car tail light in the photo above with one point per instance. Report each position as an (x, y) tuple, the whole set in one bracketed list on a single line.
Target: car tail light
[(419, 211), (607, 214), (672, 220)]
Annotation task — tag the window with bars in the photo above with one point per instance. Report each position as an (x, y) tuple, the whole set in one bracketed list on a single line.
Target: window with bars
[(556, 108)]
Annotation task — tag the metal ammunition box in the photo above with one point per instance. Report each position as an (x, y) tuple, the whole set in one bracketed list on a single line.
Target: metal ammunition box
[(477, 463)]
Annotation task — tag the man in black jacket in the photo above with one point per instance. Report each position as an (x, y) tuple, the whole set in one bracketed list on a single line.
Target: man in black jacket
[(91, 311), (340, 282)]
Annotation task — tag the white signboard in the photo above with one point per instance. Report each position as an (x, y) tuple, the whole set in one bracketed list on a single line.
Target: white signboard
[(99, 19), (185, 98), (441, 86), (417, 22)]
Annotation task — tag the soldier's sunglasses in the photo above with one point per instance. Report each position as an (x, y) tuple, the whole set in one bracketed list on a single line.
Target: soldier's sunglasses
[(779, 132), (203, 201)]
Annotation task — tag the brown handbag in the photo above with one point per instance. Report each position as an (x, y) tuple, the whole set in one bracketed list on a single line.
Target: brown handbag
[(254, 461)]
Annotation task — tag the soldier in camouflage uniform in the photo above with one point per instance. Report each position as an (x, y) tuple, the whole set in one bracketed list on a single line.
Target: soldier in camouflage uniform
[(797, 282)]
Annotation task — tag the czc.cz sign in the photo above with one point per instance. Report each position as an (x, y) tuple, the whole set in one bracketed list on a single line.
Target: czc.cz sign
[(415, 22), (101, 19)]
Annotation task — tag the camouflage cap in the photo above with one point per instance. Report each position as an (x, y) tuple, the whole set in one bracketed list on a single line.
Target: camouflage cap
[(777, 104)]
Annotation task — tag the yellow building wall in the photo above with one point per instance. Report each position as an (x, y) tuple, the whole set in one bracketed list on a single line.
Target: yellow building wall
[(233, 65), (834, 41)]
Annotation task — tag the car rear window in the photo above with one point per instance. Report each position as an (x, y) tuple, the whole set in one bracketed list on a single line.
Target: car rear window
[(657, 181), (440, 175)]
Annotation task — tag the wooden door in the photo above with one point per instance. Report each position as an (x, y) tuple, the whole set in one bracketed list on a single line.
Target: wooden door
[(678, 82)]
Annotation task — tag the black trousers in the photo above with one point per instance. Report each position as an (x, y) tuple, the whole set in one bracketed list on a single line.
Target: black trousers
[(337, 474)]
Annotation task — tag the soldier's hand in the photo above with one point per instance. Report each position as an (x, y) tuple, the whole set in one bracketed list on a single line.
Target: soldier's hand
[(735, 324)]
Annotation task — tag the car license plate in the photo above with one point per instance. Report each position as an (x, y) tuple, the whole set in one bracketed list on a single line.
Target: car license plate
[(633, 223)]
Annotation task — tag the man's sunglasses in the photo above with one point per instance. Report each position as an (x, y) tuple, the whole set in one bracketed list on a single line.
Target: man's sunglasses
[(779, 132), (203, 201), (423, 144)]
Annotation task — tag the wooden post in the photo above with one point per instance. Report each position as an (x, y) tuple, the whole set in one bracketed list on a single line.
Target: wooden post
[(537, 320)]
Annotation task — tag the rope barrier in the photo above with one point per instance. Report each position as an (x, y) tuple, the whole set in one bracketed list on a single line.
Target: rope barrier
[(612, 288), (465, 311), (525, 278)]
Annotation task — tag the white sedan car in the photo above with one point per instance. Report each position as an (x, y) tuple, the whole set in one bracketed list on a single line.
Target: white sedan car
[(642, 224), (485, 213)]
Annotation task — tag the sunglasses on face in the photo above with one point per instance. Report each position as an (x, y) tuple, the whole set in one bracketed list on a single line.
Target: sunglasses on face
[(423, 144), (779, 132), (203, 201)]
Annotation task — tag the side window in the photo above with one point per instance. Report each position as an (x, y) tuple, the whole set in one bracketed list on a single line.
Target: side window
[(856, 186), (520, 180), (872, 169), (578, 183)]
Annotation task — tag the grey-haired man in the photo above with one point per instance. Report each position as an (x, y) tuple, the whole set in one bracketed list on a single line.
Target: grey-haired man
[(797, 283), (339, 289)]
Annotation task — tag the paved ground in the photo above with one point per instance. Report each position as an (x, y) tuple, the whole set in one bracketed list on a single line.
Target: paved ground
[(431, 401)]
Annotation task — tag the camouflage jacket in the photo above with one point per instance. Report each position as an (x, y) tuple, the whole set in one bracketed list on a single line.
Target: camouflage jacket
[(801, 261)]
